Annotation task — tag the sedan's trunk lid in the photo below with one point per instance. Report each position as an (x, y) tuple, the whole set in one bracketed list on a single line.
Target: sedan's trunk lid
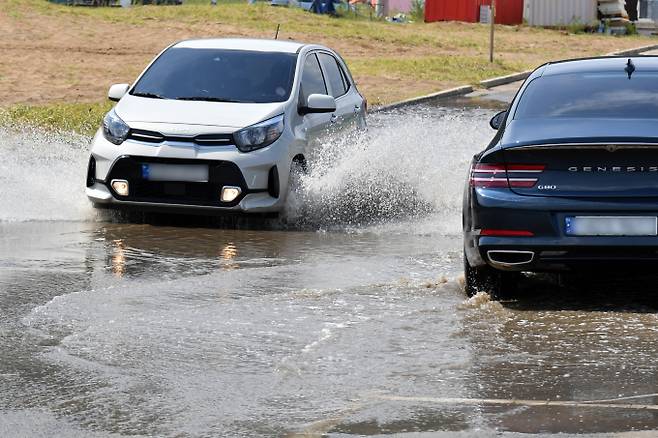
[(583, 157)]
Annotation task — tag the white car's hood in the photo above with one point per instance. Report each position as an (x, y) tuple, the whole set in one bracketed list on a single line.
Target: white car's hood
[(183, 112)]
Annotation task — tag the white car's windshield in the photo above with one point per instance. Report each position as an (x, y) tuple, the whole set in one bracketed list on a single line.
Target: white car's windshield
[(219, 75)]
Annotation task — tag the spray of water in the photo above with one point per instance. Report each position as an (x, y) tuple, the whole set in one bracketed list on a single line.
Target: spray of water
[(409, 164), (42, 176)]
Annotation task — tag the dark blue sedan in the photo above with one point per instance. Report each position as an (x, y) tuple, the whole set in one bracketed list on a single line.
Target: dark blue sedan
[(570, 180)]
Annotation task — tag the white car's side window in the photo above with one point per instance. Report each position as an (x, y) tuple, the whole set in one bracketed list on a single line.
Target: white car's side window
[(333, 74), (312, 78)]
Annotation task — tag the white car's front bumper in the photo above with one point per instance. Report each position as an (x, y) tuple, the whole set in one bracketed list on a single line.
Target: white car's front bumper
[(252, 171), (253, 202)]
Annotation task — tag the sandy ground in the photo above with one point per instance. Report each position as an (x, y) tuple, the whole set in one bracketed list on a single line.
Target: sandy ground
[(52, 57), (71, 59)]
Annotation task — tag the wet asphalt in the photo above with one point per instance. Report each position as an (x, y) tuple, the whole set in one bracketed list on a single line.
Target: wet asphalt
[(351, 322)]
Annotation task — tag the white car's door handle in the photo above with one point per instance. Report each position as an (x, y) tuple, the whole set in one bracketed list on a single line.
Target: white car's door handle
[(334, 118), (357, 108)]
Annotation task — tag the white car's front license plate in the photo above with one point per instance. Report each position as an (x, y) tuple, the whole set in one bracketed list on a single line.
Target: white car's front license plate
[(611, 225), (175, 172)]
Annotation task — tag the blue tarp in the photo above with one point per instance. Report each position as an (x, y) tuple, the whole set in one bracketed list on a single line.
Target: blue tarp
[(323, 7)]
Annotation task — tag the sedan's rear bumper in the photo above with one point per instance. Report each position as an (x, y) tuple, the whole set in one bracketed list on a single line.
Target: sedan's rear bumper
[(548, 248), (549, 254)]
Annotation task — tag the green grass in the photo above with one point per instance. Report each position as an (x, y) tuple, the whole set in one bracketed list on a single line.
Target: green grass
[(259, 17), (389, 61), (446, 68), (85, 118), (82, 118)]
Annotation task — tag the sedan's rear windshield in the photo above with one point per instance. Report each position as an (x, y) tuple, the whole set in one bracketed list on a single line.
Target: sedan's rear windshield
[(219, 75), (591, 95)]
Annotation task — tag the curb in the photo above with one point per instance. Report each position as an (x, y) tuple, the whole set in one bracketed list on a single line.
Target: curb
[(514, 77), (490, 83), (507, 79), (635, 51), (452, 92)]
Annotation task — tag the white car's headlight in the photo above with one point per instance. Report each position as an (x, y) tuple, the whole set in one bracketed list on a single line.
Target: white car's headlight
[(259, 135), (115, 130)]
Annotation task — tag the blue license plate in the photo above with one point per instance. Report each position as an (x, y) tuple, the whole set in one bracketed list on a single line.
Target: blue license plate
[(611, 225), (175, 172)]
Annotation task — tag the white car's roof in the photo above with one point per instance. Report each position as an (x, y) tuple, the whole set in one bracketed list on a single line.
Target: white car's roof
[(261, 45)]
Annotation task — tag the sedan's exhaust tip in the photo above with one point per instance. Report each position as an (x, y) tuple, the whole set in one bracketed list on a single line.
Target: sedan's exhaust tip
[(510, 258)]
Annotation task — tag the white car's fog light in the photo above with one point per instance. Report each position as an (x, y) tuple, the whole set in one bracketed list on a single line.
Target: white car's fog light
[(230, 193), (120, 186)]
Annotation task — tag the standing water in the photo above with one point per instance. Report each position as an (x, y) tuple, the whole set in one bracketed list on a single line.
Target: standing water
[(351, 323)]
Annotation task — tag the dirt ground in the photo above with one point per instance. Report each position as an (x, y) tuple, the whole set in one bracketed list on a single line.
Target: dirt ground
[(50, 56)]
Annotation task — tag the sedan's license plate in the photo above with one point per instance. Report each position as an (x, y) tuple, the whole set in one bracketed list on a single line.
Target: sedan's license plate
[(611, 225), (175, 172)]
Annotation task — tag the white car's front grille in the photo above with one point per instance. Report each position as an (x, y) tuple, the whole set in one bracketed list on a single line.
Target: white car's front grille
[(200, 140)]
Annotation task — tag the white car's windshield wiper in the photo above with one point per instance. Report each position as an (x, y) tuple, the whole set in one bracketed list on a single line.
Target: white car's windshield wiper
[(149, 95), (212, 99)]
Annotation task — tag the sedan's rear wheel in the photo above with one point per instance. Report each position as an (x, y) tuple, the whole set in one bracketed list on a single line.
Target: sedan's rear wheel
[(498, 284)]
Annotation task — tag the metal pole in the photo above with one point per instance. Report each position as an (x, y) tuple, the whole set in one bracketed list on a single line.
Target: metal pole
[(492, 19)]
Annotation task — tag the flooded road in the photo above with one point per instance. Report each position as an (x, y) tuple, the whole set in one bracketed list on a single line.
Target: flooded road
[(346, 318)]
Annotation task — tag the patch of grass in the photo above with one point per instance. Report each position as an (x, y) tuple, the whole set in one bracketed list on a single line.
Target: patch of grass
[(47, 62), (435, 68), (259, 17), (83, 118)]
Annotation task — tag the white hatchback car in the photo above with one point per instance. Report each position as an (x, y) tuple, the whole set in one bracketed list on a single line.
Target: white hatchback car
[(220, 124)]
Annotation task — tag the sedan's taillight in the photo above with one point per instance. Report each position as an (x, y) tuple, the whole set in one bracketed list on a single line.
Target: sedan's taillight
[(506, 233), (505, 175)]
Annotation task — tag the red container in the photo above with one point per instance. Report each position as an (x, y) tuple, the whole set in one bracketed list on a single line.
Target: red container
[(452, 10), (507, 11)]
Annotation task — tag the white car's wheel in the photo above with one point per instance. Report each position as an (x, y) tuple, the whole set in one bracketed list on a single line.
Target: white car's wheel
[(295, 205)]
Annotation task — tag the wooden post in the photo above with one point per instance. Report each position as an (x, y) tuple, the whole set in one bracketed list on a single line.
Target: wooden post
[(492, 19)]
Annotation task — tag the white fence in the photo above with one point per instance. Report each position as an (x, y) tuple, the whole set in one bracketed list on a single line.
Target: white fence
[(559, 12)]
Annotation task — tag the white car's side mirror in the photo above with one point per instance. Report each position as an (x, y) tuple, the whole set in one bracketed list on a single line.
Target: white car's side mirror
[(117, 91), (319, 103)]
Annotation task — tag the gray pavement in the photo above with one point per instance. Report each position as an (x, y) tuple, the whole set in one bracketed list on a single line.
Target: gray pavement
[(651, 53), (502, 93), (351, 322), (505, 93)]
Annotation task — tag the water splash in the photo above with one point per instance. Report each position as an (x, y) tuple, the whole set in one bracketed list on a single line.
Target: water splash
[(42, 176), (410, 164)]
